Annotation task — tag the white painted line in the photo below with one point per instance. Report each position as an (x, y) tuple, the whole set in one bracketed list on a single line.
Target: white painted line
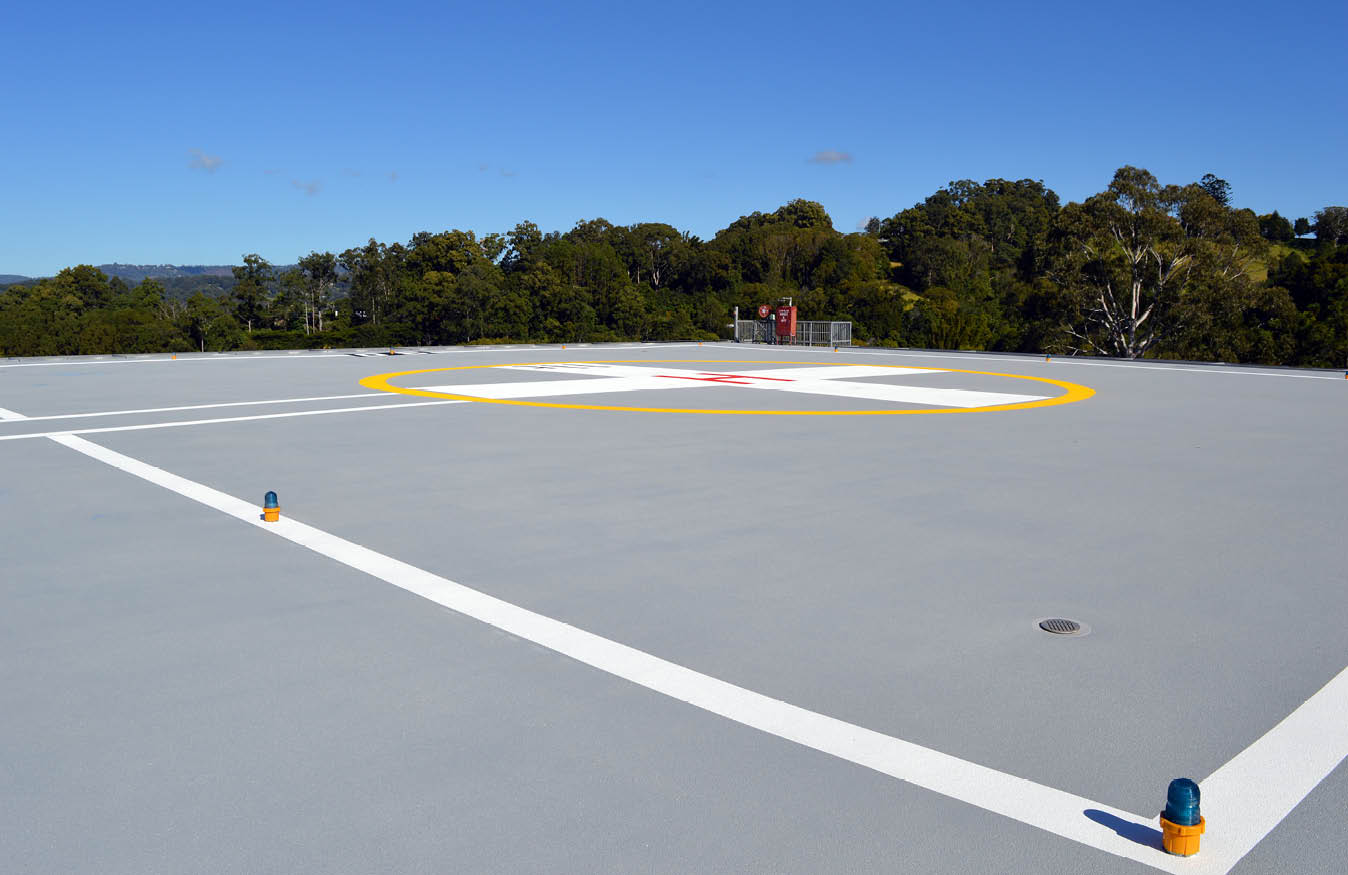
[(1263, 783), (844, 372), (1052, 810), (291, 355), (964, 398), (10, 415), (153, 425), (77, 361), (200, 406), (588, 386)]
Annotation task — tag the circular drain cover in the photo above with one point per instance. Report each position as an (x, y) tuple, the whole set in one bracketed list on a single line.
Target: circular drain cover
[(1059, 626)]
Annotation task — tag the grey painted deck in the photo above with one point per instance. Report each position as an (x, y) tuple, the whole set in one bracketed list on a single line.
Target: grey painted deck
[(181, 692)]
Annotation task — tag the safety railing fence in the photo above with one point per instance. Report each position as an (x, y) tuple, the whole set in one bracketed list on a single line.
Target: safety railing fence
[(807, 333)]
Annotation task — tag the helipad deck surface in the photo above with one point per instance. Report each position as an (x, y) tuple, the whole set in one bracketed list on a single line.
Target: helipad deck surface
[(706, 623)]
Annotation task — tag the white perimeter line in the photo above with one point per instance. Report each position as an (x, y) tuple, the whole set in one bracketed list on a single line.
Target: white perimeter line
[(1269, 778), (1043, 807), (10, 415), (151, 425), (199, 406), (80, 361), (1063, 360)]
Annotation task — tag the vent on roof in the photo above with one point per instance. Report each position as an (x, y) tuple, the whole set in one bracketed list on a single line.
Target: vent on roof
[(1062, 626)]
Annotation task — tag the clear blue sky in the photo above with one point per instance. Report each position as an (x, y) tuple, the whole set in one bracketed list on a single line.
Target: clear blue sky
[(191, 134)]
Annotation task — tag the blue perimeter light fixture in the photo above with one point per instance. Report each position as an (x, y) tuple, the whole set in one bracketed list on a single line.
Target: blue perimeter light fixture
[(271, 508), (1181, 803)]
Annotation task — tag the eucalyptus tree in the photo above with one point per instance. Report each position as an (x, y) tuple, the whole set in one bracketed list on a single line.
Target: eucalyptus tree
[(1138, 254), (319, 273), (1126, 255)]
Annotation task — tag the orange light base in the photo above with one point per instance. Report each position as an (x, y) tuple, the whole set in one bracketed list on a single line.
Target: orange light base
[(271, 514), (1182, 841)]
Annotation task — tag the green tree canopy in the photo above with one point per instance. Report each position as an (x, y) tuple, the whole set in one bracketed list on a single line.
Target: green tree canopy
[(1331, 225), (252, 288)]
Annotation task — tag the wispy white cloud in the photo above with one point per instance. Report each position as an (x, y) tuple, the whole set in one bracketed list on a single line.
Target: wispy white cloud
[(309, 188), (202, 161), (831, 156)]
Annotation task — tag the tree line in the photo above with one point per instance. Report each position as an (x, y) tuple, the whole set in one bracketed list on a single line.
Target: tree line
[(1140, 269)]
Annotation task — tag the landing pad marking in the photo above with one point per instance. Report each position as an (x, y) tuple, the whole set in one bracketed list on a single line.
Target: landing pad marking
[(602, 378)]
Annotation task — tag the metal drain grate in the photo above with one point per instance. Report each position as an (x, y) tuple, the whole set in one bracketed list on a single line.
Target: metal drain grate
[(1060, 626)]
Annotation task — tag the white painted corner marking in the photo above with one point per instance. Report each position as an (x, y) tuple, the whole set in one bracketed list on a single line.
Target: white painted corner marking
[(1263, 783)]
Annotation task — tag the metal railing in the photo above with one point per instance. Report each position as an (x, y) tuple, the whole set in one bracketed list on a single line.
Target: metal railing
[(807, 333)]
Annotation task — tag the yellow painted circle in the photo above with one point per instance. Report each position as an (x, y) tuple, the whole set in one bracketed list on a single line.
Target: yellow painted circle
[(1074, 391)]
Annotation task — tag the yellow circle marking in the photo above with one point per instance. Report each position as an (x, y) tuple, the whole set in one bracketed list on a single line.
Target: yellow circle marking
[(1075, 392)]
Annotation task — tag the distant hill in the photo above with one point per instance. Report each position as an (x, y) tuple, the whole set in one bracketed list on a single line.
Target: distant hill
[(134, 273), (180, 281)]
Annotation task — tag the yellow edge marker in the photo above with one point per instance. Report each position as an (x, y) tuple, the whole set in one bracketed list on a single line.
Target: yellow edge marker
[(1074, 393)]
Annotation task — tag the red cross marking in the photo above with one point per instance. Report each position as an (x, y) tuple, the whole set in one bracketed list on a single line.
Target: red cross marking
[(733, 379)]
